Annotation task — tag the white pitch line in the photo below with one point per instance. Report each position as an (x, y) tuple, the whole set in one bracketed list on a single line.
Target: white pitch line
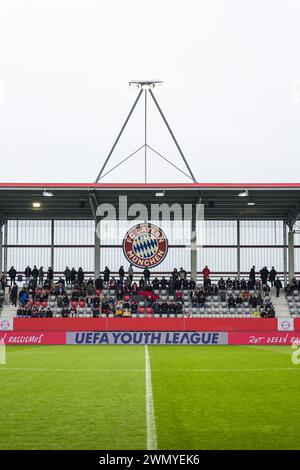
[(150, 416), (33, 369), (112, 371)]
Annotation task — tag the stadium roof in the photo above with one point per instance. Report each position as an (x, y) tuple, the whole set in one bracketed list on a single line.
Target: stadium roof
[(221, 200)]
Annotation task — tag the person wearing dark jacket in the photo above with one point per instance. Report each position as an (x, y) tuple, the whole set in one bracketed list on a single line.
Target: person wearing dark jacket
[(67, 274), (27, 273), (41, 275), (147, 275), (80, 275), (278, 286), (35, 272), (14, 294), (73, 276), (272, 276), (106, 274), (50, 274), (121, 275), (264, 274), (12, 274), (252, 275)]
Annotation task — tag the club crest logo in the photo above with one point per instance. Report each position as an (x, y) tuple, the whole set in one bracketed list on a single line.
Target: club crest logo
[(145, 245)]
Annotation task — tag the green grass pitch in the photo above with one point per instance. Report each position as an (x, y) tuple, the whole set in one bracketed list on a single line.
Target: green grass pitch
[(94, 397)]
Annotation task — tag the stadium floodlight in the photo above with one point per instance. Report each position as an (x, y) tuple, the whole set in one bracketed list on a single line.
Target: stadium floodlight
[(160, 194), (251, 204), (244, 193), (36, 205), (47, 193), (145, 84)]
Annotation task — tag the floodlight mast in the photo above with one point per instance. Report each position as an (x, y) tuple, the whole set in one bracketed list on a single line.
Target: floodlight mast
[(146, 86)]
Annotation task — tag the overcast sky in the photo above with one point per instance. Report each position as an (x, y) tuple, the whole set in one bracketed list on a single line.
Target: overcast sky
[(231, 92)]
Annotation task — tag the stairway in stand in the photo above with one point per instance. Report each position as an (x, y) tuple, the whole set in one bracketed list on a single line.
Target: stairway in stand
[(280, 303)]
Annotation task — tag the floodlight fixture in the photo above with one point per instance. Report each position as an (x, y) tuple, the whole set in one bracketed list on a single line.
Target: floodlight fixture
[(145, 84), (47, 193)]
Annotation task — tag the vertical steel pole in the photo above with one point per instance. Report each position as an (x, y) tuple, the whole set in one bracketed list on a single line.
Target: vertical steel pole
[(97, 247), (238, 247), (5, 246), (146, 136), (1, 247), (52, 245), (285, 267)]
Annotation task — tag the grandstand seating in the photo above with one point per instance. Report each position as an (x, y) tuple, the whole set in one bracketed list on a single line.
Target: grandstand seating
[(156, 303)]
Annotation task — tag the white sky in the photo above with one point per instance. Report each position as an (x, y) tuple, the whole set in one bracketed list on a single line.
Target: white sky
[(231, 92)]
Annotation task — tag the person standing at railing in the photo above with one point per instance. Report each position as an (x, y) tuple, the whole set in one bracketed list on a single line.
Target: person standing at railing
[(27, 273), (272, 276), (121, 275), (12, 274), (130, 272), (278, 286), (67, 274), (205, 272), (41, 275)]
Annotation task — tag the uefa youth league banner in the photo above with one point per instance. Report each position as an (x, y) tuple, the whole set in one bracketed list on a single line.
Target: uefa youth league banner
[(147, 337)]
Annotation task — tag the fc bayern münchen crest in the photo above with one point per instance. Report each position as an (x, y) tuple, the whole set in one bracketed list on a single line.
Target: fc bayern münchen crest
[(145, 245)]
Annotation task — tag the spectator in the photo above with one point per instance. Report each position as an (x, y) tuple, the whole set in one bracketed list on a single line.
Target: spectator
[(121, 275), (50, 274), (272, 276), (35, 273), (12, 274), (41, 275), (106, 275), (73, 276), (80, 275), (67, 274), (147, 275), (278, 286), (27, 273), (252, 275), (130, 272), (182, 274), (205, 272), (14, 294), (264, 274), (231, 301)]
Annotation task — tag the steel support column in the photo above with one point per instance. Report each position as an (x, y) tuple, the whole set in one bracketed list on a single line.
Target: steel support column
[(194, 245), (97, 247), (5, 247), (291, 251), (52, 245), (238, 249), (285, 265), (1, 248)]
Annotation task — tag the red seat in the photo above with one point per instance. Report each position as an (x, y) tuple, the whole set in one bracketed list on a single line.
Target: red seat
[(149, 310)]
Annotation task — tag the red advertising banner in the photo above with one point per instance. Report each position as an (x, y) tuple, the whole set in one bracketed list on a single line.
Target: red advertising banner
[(33, 337), (264, 338), (149, 324)]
